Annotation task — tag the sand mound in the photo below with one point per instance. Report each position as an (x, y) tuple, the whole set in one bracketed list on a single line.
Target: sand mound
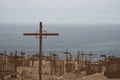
[(25, 73), (67, 76), (96, 76)]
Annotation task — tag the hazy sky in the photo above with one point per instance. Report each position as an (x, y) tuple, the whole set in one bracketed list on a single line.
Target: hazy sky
[(60, 11)]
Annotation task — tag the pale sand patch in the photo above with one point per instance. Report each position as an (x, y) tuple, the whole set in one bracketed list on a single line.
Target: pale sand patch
[(97, 76)]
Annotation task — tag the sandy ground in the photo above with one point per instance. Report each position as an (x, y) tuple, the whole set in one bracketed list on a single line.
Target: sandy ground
[(31, 73)]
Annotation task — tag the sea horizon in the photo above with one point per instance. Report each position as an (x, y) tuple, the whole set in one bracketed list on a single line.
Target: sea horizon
[(96, 38)]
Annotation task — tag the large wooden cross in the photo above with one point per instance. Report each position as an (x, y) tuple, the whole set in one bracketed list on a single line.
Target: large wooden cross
[(40, 34)]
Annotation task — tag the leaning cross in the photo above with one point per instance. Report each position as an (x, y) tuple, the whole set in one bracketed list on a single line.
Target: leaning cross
[(40, 34)]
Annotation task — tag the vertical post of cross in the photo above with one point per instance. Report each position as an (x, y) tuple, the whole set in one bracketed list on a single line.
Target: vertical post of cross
[(82, 59), (40, 52), (15, 63), (51, 63), (78, 59)]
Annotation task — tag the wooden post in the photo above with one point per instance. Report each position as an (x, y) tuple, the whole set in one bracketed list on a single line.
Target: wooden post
[(91, 60), (82, 58), (15, 64), (91, 56), (60, 71), (54, 62), (40, 51), (11, 58), (78, 59), (103, 59), (28, 57), (86, 64), (71, 65), (51, 63), (70, 57), (3, 69)]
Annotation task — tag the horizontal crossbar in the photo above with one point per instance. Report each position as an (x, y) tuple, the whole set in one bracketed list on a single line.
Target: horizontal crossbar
[(43, 34)]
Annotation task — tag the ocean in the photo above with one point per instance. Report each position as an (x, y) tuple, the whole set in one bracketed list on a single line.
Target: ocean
[(96, 38)]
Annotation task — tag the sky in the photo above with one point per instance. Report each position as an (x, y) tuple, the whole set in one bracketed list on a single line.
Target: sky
[(60, 11)]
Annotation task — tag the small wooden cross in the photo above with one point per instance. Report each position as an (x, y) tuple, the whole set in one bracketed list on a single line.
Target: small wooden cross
[(66, 52), (40, 34)]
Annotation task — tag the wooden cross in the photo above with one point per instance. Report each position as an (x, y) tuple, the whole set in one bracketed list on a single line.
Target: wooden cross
[(91, 56), (40, 34), (66, 52), (22, 55)]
